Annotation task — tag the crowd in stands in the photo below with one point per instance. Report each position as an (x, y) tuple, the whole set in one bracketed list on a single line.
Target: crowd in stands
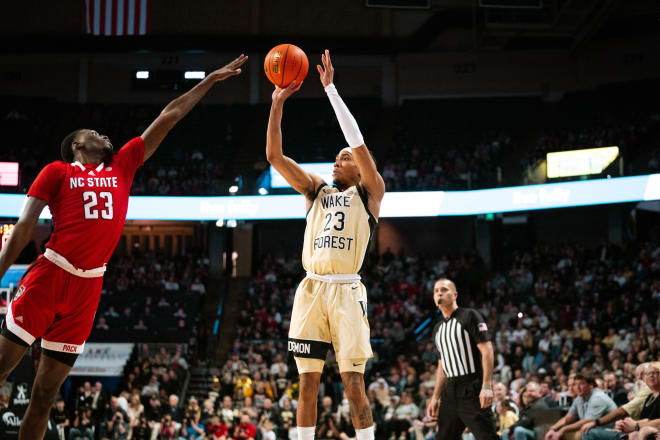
[(606, 327), (140, 406), (191, 159), (433, 144), (599, 342), (151, 296), (627, 135), (428, 168), (453, 144)]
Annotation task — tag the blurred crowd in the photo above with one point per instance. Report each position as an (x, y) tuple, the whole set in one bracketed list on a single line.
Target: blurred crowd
[(146, 398), (604, 330), (428, 168), (601, 341), (151, 296), (432, 144)]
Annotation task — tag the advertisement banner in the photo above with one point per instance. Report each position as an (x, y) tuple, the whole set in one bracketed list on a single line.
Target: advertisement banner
[(395, 204), (102, 359)]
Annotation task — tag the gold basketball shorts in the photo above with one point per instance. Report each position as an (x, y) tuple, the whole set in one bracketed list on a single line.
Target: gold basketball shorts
[(329, 313)]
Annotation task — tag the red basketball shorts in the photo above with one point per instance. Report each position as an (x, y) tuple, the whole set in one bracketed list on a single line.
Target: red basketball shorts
[(55, 305)]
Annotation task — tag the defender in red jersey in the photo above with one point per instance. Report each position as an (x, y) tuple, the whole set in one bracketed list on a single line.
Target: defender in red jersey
[(58, 295)]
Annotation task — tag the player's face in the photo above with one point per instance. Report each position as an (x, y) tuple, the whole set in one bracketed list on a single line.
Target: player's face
[(345, 172), (444, 293), (95, 143)]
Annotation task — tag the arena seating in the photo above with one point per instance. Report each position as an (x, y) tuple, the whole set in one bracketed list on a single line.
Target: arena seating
[(429, 144)]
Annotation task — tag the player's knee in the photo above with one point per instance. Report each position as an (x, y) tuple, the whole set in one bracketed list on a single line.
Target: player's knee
[(353, 385), (309, 385), (43, 398), (5, 368)]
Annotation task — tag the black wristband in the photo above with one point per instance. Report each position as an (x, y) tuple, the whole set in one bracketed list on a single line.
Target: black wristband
[(597, 422)]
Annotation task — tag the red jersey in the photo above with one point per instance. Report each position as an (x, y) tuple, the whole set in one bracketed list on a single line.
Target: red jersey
[(88, 204)]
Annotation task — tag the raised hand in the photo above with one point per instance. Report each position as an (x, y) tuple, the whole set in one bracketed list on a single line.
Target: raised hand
[(281, 94), (231, 69), (327, 72)]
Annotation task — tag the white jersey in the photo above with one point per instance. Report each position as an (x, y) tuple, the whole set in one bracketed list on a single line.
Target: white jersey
[(339, 228)]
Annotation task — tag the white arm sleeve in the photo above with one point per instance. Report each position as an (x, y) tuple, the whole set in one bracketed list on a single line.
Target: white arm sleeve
[(346, 120)]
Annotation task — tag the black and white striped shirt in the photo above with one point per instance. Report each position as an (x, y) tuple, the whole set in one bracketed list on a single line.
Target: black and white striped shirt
[(456, 339)]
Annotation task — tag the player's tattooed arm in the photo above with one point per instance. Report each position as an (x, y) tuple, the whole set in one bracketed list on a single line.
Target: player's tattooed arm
[(21, 234), (179, 108)]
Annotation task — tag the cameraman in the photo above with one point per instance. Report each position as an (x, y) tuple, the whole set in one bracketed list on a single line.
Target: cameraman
[(116, 428), (191, 429), (327, 424), (81, 425), (167, 428)]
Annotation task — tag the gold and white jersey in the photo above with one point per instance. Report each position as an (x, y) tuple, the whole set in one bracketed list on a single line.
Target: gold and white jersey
[(338, 231)]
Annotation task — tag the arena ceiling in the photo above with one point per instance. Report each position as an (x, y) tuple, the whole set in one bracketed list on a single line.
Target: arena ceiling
[(348, 26)]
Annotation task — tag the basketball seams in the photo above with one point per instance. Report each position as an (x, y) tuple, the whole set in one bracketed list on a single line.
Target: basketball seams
[(284, 64), (299, 66), (269, 59)]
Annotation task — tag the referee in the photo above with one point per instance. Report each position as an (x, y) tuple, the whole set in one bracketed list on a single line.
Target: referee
[(463, 390)]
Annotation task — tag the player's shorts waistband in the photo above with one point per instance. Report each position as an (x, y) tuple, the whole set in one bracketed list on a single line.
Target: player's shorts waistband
[(336, 278), (63, 263)]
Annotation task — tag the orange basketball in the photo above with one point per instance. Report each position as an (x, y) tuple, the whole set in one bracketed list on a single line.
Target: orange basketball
[(284, 63)]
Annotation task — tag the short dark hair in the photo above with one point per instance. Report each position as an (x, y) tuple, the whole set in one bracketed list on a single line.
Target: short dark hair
[(587, 377), (450, 280), (66, 148)]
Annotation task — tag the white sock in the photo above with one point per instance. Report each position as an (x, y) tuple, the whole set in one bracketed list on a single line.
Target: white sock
[(306, 433), (365, 434)]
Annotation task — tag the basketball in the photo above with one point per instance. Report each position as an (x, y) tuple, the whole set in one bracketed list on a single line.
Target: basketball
[(284, 63)]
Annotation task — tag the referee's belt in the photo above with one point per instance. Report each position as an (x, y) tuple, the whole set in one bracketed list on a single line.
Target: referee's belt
[(63, 263), (336, 278)]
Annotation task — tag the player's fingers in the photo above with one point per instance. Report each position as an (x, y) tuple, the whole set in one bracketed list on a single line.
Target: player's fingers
[(299, 86), (320, 69), (327, 57), (232, 64)]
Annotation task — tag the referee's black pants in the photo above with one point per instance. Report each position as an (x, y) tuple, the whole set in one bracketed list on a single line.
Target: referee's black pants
[(460, 407)]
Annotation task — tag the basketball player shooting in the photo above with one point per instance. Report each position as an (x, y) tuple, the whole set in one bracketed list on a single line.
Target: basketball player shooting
[(58, 295), (330, 304)]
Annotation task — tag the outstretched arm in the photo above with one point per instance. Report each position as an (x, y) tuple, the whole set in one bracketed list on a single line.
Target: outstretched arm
[(302, 181), (177, 109), (22, 233), (370, 178)]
